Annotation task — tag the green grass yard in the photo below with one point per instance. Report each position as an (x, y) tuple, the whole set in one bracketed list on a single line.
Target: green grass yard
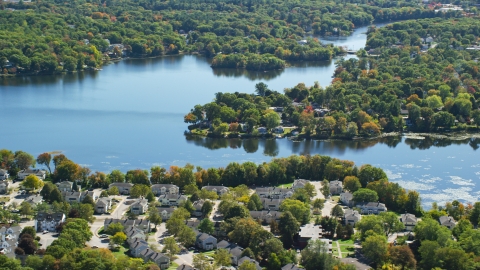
[(173, 266), (4, 199), (285, 185), (120, 252)]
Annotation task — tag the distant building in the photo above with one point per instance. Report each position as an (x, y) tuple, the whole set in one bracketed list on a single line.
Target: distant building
[(274, 192), (48, 221), (300, 183), (447, 221), (103, 205), (65, 186), (205, 241), (347, 198), (123, 188), (336, 187), (271, 204), (37, 172), (265, 216), (172, 199), (351, 217), (34, 200), (4, 174), (139, 207), (372, 208), (309, 232), (161, 189), (166, 212), (409, 220), (220, 190)]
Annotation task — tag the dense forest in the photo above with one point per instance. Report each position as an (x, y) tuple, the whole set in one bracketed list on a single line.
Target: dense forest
[(421, 75), (54, 36)]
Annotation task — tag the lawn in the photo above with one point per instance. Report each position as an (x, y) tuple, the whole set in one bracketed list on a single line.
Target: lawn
[(209, 253), (347, 249), (173, 266), (120, 252), (334, 251), (285, 185), (335, 198), (346, 242), (4, 199)]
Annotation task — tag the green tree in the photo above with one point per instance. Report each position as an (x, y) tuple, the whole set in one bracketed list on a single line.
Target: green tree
[(261, 88), (247, 265), (288, 227), (273, 262), (139, 190), (272, 120), (368, 174), (201, 262), (206, 226), (45, 159), (300, 210), (154, 216), (114, 228), (207, 208), (351, 183), (113, 191), (88, 200), (118, 239), (32, 182), (427, 252), (257, 201), (186, 236), (325, 189), (337, 211), (316, 256), (24, 160), (318, 204), (375, 248), (222, 257), (391, 222), (371, 224), (26, 209), (365, 195), (403, 257), (170, 246)]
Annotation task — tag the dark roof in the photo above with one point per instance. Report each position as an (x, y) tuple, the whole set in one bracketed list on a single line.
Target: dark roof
[(185, 267), (53, 216), (223, 244), (291, 266)]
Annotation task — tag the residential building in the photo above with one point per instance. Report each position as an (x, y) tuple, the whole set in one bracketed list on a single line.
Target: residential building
[(409, 220), (162, 260), (235, 254), (271, 204), (4, 174), (172, 199), (134, 233), (372, 208), (266, 216), (139, 207), (278, 129), (205, 241), (123, 188), (142, 224), (198, 207), (65, 186), (165, 212), (8, 240), (103, 205), (220, 190), (223, 244), (192, 223), (336, 187), (37, 172), (308, 232), (447, 221), (219, 231), (274, 192), (248, 259), (299, 183), (185, 267), (48, 221), (34, 199), (292, 266), (72, 196), (351, 217), (161, 189), (347, 198), (262, 130), (137, 246), (3, 187)]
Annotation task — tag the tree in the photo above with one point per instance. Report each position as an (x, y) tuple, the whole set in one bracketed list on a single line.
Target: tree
[(66, 170), (368, 174), (272, 120), (137, 177), (375, 248), (26, 209), (261, 88), (113, 191), (273, 262), (201, 262), (475, 214), (88, 200), (443, 119), (207, 208), (28, 230), (325, 189), (206, 226), (257, 201), (351, 183), (114, 228), (429, 229), (316, 256), (300, 210), (139, 190), (243, 230), (462, 226), (222, 257), (288, 227), (403, 257), (237, 211), (27, 243), (337, 211), (45, 159), (318, 204), (365, 195), (391, 222), (186, 236), (371, 224), (170, 246), (427, 252), (24, 160), (32, 182), (247, 265), (118, 239)]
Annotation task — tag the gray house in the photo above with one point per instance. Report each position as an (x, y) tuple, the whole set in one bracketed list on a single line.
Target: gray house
[(347, 198), (205, 241), (65, 186), (123, 188), (198, 207), (409, 220), (266, 216), (160, 189), (447, 221), (103, 205), (299, 183), (336, 187), (3, 187), (220, 190), (139, 207), (271, 204), (351, 217), (372, 208), (172, 199), (4, 174), (292, 266)]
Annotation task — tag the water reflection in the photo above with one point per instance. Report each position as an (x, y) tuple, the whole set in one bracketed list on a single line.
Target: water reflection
[(251, 75), (48, 79), (310, 147)]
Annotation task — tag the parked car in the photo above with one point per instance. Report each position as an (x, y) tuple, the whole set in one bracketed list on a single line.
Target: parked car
[(94, 247), (103, 236), (45, 232)]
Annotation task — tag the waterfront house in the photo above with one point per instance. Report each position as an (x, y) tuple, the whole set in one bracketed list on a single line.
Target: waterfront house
[(372, 208), (262, 130), (409, 220), (65, 186), (123, 188), (139, 207), (172, 199), (103, 205), (220, 190), (351, 217), (347, 198), (37, 172), (4, 174), (161, 189), (447, 221), (278, 129), (205, 241), (48, 221), (336, 187)]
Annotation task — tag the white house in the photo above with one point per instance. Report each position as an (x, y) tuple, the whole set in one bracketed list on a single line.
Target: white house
[(274, 192), (372, 208), (48, 221), (447, 221), (160, 189), (220, 190), (271, 204), (165, 212), (351, 217), (34, 200), (123, 188), (37, 172), (103, 205), (139, 207), (172, 199), (198, 207), (336, 187), (409, 220), (346, 198), (265, 216), (205, 241), (299, 183), (65, 186), (4, 174)]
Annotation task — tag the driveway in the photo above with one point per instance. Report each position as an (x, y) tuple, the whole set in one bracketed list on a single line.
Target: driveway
[(329, 204), (47, 239)]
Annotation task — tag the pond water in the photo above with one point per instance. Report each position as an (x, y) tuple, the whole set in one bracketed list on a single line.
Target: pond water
[(130, 115)]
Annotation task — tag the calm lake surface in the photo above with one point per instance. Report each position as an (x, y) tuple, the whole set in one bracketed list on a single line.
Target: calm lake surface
[(130, 115)]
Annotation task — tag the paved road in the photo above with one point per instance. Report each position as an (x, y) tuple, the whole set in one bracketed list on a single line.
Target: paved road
[(329, 204)]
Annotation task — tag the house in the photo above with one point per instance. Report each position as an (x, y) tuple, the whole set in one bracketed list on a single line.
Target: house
[(48, 221), (72, 196), (192, 223), (139, 207), (205, 241), (160, 259), (137, 246), (172, 199), (274, 192), (223, 244), (34, 200), (103, 205), (198, 208), (299, 183), (134, 233), (65, 186), (219, 231), (248, 259), (447, 221), (292, 266), (220, 190), (372, 208), (347, 198), (123, 188), (161, 189), (185, 267), (262, 130), (93, 194), (235, 254), (3, 187), (37, 172), (141, 224), (308, 232), (166, 213), (4, 174), (336, 187), (409, 220), (351, 217), (302, 42), (266, 216), (8, 240), (271, 204), (278, 129)]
